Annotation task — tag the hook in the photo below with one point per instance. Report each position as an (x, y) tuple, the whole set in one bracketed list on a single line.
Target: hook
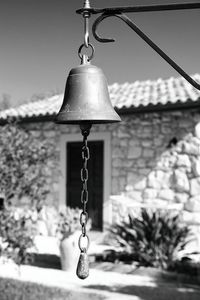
[(86, 16), (130, 23), (86, 31)]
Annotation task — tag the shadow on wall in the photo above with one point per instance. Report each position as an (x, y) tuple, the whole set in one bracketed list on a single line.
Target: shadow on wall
[(162, 166), (161, 162)]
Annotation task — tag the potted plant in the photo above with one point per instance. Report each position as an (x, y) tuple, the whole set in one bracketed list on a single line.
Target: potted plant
[(68, 232)]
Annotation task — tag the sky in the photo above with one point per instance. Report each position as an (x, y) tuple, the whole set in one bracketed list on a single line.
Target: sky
[(39, 41)]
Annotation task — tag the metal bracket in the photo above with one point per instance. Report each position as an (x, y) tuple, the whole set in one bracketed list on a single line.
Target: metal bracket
[(136, 9), (119, 13)]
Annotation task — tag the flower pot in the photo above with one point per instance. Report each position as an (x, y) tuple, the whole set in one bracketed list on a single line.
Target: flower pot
[(69, 252)]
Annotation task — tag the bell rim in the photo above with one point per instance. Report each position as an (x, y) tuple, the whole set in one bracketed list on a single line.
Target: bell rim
[(87, 121)]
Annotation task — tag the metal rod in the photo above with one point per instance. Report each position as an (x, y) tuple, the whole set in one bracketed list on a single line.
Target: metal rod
[(145, 8), (146, 39)]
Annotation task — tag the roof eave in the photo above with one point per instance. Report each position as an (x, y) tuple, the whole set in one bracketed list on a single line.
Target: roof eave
[(151, 108)]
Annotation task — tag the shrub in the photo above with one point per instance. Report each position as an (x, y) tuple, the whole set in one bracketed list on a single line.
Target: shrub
[(23, 161), (152, 239), (17, 231)]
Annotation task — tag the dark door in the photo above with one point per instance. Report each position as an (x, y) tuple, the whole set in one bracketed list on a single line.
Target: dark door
[(95, 181)]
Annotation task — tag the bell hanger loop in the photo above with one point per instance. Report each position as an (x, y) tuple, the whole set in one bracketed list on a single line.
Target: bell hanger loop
[(85, 58)]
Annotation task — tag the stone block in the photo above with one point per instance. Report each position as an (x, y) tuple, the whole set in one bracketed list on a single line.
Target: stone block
[(135, 195), (144, 134), (197, 130), (185, 123), (166, 128), (196, 167), (115, 141), (158, 141), (166, 194), (115, 172), (167, 161), (117, 152), (190, 149), (49, 133), (148, 128), (157, 203), (146, 143), (140, 185), (36, 133), (129, 188), (180, 181), (190, 217), (115, 186), (122, 183), (148, 153), (195, 186), (149, 193), (134, 142), (141, 162), (127, 163), (195, 140), (133, 178), (116, 162), (181, 197), (193, 204), (123, 142), (159, 179), (123, 134), (183, 160), (134, 152), (144, 171)]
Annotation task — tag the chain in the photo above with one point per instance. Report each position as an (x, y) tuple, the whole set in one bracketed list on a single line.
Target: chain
[(84, 179), (85, 153)]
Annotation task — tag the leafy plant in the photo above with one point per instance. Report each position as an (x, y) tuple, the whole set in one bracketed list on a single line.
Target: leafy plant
[(153, 238), (17, 231), (69, 222), (23, 160)]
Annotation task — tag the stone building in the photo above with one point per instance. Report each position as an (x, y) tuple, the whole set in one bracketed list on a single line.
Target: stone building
[(150, 159)]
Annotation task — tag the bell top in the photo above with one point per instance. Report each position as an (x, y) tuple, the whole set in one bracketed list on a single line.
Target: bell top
[(86, 69)]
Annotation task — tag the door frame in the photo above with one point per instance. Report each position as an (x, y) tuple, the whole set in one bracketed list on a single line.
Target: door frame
[(94, 136)]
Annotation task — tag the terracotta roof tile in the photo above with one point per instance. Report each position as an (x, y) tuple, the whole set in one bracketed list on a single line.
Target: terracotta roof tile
[(123, 96)]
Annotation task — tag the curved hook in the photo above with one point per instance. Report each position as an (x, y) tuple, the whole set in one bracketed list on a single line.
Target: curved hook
[(96, 24), (130, 23)]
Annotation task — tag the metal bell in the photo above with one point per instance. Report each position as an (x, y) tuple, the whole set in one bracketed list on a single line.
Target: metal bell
[(86, 98)]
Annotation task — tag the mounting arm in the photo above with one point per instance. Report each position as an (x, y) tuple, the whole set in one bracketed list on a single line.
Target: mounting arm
[(119, 13), (128, 21)]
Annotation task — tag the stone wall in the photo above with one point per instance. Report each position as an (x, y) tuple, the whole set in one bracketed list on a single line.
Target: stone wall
[(155, 159), (156, 164)]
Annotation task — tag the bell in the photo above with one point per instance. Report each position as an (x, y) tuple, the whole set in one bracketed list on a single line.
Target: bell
[(86, 98)]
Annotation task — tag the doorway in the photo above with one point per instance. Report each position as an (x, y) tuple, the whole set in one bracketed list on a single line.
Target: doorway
[(95, 181)]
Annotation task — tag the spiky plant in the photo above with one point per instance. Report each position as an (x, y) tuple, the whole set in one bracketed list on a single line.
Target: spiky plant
[(153, 238)]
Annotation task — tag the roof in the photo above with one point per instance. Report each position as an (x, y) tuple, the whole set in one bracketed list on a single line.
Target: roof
[(127, 97)]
